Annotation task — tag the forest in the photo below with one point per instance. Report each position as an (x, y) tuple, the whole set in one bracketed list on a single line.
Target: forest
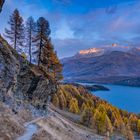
[(95, 113)]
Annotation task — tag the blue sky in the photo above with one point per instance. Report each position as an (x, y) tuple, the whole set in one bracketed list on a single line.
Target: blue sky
[(82, 24)]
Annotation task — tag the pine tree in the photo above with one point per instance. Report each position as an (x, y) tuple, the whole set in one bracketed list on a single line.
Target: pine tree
[(16, 32), (42, 38), (30, 33)]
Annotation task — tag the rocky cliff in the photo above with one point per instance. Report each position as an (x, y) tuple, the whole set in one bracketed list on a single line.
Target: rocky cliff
[(20, 79)]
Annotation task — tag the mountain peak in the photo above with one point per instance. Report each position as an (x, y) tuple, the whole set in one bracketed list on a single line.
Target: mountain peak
[(91, 51)]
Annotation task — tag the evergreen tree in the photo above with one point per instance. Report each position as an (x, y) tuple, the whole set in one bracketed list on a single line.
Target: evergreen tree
[(16, 32), (42, 38), (30, 33)]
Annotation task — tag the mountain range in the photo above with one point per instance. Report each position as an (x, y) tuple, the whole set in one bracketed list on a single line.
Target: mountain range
[(99, 65)]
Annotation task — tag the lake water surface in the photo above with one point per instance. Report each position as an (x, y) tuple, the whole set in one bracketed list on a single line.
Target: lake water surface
[(124, 97)]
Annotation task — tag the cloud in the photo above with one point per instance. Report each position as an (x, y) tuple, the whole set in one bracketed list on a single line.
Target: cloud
[(73, 30)]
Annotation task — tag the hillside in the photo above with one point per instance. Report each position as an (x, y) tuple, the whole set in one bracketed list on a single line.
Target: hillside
[(117, 67), (58, 127), (24, 93), (19, 77), (24, 89)]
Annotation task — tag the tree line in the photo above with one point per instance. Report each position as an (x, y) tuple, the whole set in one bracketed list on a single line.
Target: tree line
[(34, 36)]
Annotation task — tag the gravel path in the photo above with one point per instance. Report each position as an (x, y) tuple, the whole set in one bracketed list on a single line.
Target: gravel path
[(30, 130)]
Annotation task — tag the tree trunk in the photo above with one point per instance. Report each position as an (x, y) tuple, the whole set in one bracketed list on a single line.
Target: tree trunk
[(30, 44), (40, 47), (15, 39)]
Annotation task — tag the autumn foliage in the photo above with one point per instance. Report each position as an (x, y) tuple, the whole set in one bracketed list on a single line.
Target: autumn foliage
[(95, 113)]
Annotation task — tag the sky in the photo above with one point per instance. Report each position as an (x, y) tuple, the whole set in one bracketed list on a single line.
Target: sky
[(82, 24)]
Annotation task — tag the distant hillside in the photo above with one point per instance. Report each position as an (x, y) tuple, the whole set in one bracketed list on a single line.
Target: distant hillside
[(117, 67)]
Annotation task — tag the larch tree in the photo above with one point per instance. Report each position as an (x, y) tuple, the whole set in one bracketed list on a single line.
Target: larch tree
[(86, 116), (83, 107), (108, 125), (56, 67), (73, 107), (46, 56), (133, 120), (16, 32), (55, 100), (62, 100), (42, 37), (96, 120), (30, 33)]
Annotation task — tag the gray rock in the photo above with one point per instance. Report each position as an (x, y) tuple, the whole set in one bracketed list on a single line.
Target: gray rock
[(20, 79)]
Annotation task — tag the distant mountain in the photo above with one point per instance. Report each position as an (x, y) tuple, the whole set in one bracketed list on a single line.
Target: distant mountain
[(135, 51), (103, 66), (90, 52)]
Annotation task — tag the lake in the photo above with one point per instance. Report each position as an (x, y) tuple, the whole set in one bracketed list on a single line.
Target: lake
[(124, 97)]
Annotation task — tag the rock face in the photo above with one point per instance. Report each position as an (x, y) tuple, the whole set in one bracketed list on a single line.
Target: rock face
[(20, 79), (115, 67)]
